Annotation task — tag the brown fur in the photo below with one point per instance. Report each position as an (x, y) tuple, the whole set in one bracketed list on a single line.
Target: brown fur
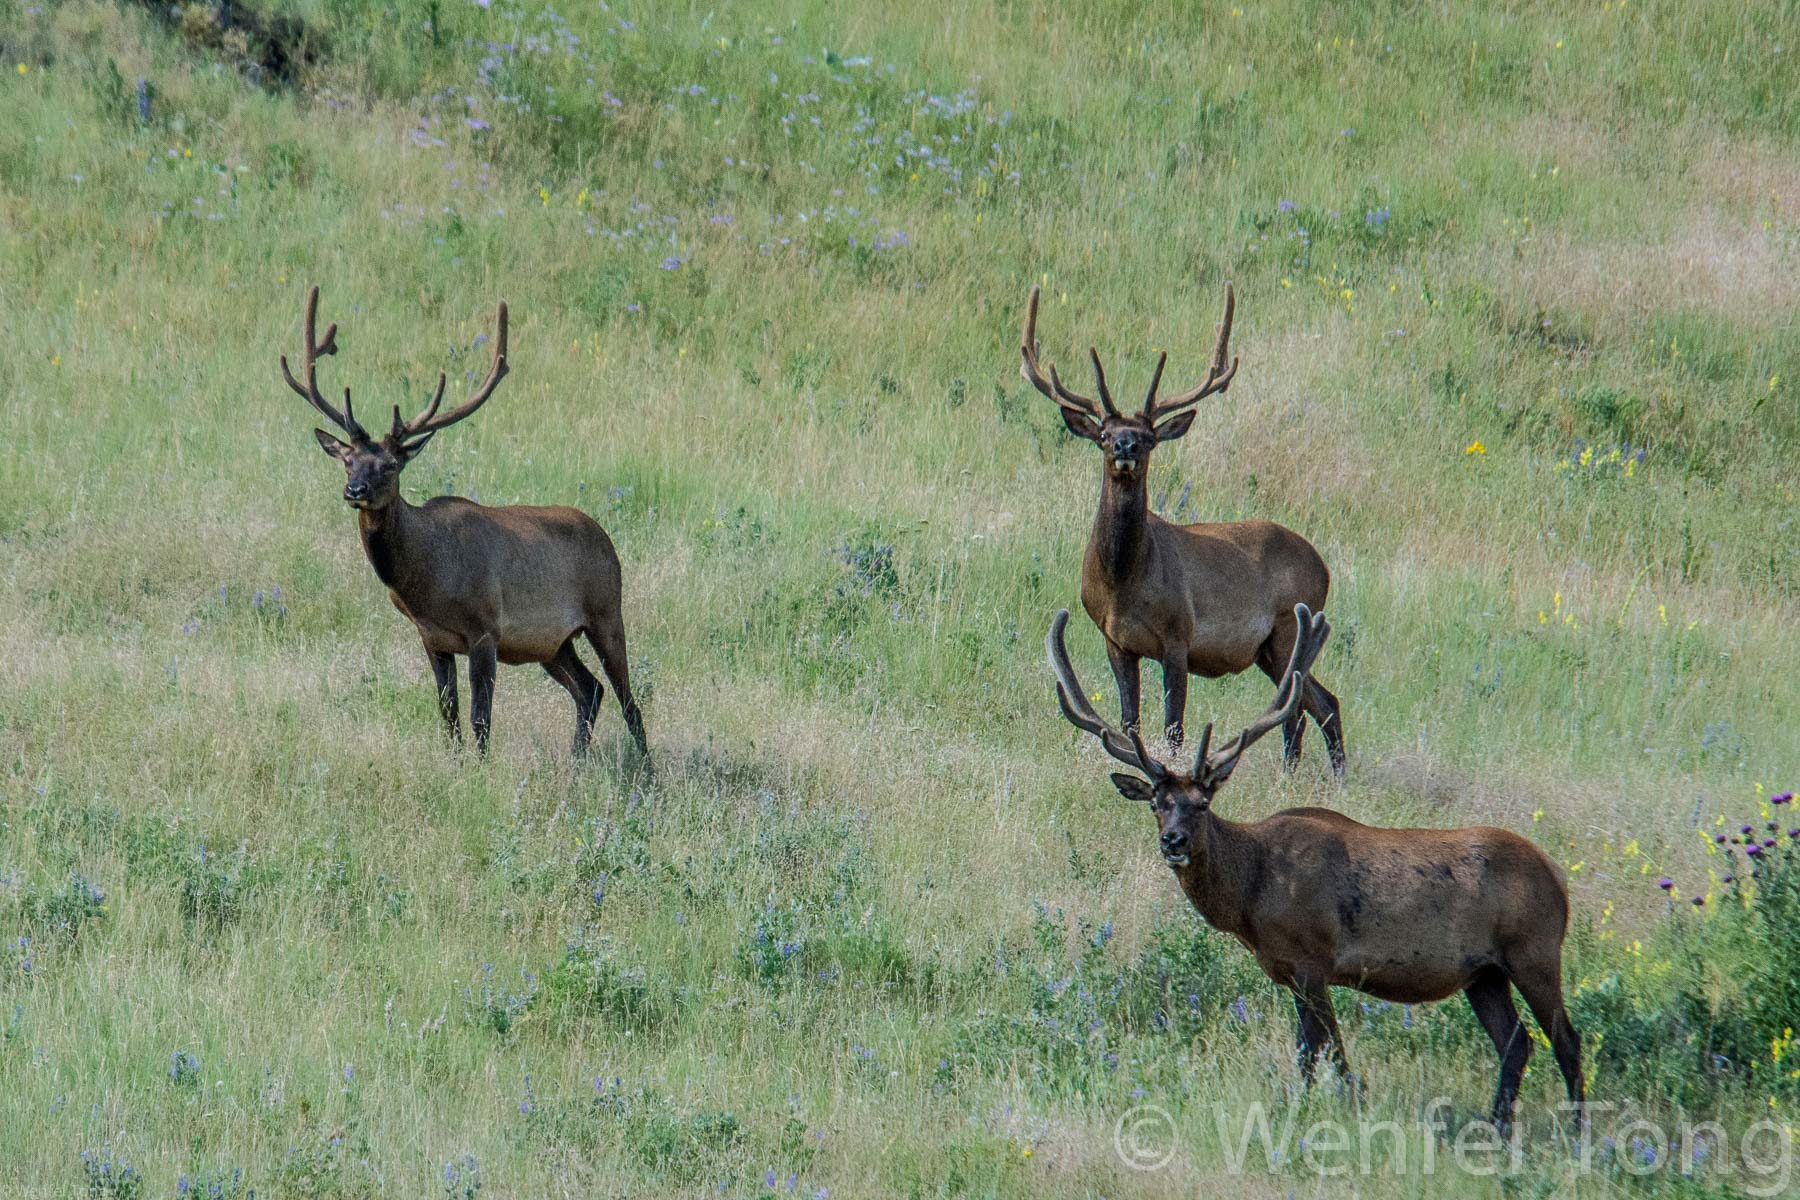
[(1321, 900), (1209, 599), (514, 585)]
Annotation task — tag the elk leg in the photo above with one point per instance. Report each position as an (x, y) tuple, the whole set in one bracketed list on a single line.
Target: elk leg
[(568, 669), (1125, 672), (1318, 1029), (1323, 706), (443, 669), (1490, 995), (1540, 982), (608, 640), (483, 662), (1175, 685)]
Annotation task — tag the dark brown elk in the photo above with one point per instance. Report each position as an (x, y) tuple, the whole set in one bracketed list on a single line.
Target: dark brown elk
[(500, 585), (1210, 599), (1320, 900)]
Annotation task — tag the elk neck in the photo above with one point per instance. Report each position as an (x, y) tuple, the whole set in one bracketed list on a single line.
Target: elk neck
[(1222, 874), (387, 533), (1121, 539)]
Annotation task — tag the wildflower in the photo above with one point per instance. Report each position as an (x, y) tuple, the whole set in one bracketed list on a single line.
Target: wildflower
[(1784, 798), (671, 263), (1475, 449), (1665, 883), (23, 68), (476, 123), (1285, 206)]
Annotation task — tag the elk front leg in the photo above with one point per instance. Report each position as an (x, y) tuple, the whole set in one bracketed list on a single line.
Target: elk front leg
[(1318, 1029), (1125, 673), (443, 670), (1175, 685), (483, 663)]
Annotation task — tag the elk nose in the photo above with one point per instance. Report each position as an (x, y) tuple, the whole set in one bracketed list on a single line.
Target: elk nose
[(1174, 843), (356, 490)]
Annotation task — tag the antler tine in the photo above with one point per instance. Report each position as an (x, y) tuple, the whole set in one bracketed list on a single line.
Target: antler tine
[(1052, 387), (309, 364), (1205, 746), (1100, 379), (1218, 376), (1162, 360), (400, 426), (429, 422), (1308, 641), (1074, 703)]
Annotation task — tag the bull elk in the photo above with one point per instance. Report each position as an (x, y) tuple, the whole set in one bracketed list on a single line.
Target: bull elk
[(1209, 599), (515, 584), (1406, 915)]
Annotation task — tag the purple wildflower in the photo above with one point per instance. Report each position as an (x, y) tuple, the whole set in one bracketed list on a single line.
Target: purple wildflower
[(1665, 883), (1284, 206)]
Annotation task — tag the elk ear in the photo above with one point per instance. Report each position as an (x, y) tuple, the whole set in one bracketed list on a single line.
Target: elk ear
[(1133, 788), (411, 450), (1175, 426), (1080, 426), (332, 446)]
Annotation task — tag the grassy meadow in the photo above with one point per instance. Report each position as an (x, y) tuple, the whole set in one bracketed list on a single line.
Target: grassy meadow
[(1517, 309)]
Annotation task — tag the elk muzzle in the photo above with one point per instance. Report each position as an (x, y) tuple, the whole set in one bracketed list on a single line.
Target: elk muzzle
[(1175, 848), (357, 492)]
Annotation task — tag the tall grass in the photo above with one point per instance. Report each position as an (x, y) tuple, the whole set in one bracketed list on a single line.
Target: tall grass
[(1519, 354)]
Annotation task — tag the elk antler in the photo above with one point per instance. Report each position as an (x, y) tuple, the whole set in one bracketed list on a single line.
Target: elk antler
[(1308, 641), (429, 422), (1052, 387), (1081, 714), (309, 363), (1218, 376)]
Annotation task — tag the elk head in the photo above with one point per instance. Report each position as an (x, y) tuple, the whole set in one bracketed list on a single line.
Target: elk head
[(374, 466), (1126, 439), (1182, 801)]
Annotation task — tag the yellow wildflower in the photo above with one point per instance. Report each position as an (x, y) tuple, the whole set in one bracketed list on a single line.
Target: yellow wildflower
[(1475, 448)]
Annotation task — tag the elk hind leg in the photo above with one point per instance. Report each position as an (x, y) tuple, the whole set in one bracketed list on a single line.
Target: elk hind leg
[(1272, 659), (607, 636), (1490, 995), (568, 669), (1539, 980), (1323, 706)]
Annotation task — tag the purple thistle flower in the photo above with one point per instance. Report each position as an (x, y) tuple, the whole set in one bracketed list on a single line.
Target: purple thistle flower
[(1784, 798), (1699, 900), (1753, 850), (1665, 883)]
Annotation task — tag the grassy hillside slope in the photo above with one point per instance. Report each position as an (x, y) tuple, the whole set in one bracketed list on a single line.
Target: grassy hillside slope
[(1517, 295)]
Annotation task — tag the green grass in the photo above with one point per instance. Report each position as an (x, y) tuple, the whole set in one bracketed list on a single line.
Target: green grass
[(875, 923)]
